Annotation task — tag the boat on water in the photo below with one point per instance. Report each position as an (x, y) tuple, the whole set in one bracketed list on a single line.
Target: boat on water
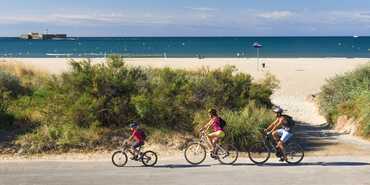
[(40, 36)]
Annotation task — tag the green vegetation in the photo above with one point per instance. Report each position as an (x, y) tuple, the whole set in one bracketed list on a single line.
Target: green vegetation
[(348, 95), (91, 106)]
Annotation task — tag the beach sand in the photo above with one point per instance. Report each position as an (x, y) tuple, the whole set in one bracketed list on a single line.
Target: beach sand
[(300, 78)]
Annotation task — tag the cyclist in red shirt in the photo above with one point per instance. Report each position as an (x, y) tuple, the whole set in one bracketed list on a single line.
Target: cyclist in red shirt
[(136, 138)]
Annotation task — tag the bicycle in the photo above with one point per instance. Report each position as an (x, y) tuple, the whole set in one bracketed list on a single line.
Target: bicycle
[(260, 152), (195, 152), (120, 158)]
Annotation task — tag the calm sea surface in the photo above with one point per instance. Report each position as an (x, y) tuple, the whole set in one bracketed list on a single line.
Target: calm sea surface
[(188, 47)]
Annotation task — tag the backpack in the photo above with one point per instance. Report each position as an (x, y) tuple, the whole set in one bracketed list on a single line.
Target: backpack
[(290, 123), (222, 123), (142, 133)]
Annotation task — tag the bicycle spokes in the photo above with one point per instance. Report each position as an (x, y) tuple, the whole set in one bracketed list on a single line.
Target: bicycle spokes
[(227, 154), (294, 153), (195, 153), (259, 153)]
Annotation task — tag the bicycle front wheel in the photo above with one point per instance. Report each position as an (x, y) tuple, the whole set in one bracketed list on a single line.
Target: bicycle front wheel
[(119, 159), (294, 153), (195, 153), (259, 153), (149, 158), (227, 154)]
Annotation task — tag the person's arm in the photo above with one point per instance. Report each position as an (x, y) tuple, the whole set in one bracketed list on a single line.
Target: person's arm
[(271, 125), (278, 124), (206, 127), (131, 137)]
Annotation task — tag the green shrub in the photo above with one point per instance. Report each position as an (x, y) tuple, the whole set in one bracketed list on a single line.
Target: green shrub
[(10, 83), (348, 94), (10, 88), (85, 107)]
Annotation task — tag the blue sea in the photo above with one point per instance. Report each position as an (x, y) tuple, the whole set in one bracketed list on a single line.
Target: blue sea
[(272, 47)]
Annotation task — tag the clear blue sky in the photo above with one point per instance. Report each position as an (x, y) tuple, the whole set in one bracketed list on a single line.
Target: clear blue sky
[(186, 17)]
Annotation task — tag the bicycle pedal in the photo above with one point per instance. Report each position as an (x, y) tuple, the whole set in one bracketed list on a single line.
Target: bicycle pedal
[(213, 156)]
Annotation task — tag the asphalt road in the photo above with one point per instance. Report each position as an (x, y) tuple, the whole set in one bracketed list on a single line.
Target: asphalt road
[(312, 171)]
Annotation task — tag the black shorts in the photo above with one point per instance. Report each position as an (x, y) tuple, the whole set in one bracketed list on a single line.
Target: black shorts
[(136, 144)]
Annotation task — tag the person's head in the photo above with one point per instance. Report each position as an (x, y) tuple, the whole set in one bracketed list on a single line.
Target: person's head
[(134, 125), (278, 111), (212, 112)]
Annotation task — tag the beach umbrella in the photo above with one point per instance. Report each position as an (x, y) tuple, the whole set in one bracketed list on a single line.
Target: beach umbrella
[(257, 46)]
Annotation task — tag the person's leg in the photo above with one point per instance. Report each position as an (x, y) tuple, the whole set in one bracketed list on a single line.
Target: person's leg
[(214, 141), (217, 139), (135, 146), (284, 138), (213, 138), (277, 134), (210, 139)]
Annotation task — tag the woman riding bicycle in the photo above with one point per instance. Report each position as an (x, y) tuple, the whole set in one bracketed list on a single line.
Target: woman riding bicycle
[(280, 130), (218, 132)]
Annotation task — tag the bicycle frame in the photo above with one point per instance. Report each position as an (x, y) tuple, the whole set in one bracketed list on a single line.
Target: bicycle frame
[(270, 142), (127, 148), (204, 141)]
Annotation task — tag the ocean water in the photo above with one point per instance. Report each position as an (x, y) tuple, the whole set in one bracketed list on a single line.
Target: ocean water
[(349, 47)]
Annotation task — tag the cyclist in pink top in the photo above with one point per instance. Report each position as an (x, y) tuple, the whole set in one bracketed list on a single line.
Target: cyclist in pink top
[(218, 131)]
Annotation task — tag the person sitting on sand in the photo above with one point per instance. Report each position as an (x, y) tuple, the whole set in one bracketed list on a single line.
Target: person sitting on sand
[(280, 128), (218, 131)]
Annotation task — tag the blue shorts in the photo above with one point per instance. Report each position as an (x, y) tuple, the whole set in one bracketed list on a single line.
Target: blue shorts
[(284, 135), (136, 144)]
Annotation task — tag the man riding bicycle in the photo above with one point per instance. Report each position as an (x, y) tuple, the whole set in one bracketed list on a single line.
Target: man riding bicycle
[(218, 132), (280, 130)]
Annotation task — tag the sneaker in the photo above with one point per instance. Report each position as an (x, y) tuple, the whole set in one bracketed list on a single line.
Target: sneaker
[(278, 154), (135, 158), (283, 158), (213, 155)]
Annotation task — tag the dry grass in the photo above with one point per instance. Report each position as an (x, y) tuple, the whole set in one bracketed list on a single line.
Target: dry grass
[(21, 69)]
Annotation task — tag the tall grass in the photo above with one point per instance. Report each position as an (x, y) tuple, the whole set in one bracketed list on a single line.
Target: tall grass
[(349, 95)]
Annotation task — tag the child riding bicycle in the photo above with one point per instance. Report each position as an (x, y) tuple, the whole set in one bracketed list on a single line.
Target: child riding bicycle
[(137, 139)]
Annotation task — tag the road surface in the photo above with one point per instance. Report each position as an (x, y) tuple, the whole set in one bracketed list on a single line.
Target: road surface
[(313, 170)]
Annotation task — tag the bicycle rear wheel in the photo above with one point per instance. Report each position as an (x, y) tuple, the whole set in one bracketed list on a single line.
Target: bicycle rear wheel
[(119, 159), (259, 153), (149, 158), (195, 153), (227, 154), (294, 153)]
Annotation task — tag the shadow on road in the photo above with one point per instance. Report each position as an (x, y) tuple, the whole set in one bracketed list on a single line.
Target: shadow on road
[(319, 164), (315, 137), (264, 165), (171, 166), (181, 166)]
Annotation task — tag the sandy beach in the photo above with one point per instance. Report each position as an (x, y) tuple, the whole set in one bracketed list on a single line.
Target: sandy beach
[(299, 77)]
